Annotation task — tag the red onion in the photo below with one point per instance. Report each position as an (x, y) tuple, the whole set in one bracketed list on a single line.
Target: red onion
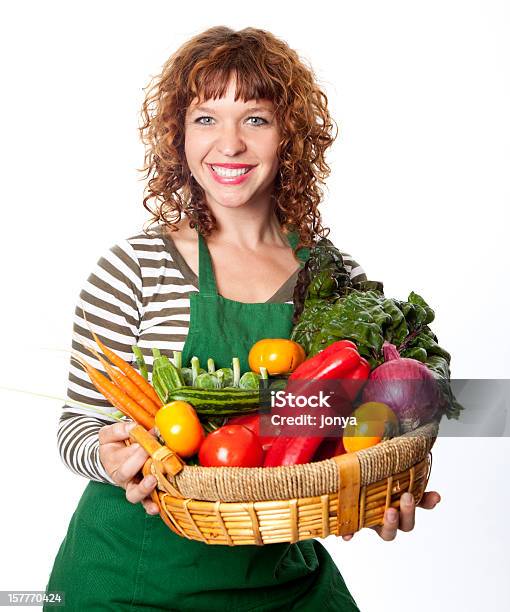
[(407, 386)]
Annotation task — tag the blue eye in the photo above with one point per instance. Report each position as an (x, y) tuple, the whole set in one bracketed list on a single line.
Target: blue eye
[(257, 119)]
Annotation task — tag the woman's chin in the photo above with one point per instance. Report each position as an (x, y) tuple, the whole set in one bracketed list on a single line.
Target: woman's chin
[(230, 202)]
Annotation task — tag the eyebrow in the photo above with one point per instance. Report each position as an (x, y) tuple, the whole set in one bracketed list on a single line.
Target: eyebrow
[(252, 109)]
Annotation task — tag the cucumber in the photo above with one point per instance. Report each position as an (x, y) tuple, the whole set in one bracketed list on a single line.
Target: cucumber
[(217, 401)]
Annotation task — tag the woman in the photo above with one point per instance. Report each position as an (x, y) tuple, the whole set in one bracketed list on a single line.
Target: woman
[(236, 130)]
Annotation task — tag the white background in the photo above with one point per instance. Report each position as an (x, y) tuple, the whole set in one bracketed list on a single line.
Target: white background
[(418, 193)]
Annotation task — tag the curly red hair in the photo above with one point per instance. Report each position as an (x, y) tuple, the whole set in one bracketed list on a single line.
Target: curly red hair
[(264, 67)]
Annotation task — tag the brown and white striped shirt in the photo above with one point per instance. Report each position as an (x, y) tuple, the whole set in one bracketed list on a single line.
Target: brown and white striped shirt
[(138, 293)]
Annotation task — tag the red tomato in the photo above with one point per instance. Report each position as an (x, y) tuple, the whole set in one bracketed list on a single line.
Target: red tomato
[(252, 422), (231, 445)]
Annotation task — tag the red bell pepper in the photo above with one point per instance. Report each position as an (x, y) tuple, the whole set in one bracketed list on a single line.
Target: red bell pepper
[(292, 451), (310, 366), (357, 379), (339, 362)]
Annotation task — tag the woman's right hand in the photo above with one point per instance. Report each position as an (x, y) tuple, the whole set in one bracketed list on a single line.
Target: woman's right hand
[(122, 463)]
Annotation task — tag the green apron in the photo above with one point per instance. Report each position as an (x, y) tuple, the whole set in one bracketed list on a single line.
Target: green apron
[(116, 557)]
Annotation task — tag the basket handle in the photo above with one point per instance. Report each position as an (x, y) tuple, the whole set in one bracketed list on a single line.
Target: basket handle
[(172, 463), (349, 481)]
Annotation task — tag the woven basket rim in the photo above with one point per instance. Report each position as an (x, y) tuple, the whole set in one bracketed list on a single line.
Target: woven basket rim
[(429, 430), (304, 480)]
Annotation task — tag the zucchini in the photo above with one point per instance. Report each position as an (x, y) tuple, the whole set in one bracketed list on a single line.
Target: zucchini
[(218, 401)]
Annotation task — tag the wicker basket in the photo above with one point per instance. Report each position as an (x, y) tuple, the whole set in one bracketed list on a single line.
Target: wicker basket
[(290, 503)]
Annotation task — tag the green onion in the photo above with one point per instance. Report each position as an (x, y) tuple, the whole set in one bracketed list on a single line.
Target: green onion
[(264, 377), (195, 367), (236, 367), (140, 361)]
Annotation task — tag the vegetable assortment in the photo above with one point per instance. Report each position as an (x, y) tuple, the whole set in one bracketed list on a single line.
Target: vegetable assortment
[(376, 355), (221, 426)]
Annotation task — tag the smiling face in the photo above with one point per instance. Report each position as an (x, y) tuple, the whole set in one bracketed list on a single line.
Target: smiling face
[(231, 149)]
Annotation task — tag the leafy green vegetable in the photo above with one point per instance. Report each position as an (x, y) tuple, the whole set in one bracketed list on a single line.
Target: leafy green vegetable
[(327, 310)]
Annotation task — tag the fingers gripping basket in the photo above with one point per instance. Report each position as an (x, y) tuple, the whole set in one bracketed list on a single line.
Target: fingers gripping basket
[(234, 506)]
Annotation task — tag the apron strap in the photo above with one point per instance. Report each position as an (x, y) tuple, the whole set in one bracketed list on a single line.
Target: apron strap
[(206, 278)]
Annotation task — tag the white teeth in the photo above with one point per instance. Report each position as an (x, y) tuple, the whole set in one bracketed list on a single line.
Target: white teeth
[(230, 172)]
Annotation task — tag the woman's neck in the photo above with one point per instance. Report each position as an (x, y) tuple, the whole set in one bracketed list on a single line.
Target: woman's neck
[(246, 227)]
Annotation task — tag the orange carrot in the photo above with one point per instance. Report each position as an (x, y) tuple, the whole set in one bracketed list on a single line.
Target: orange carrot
[(127, 385), (130, 372), (116, 396), (124, 367)]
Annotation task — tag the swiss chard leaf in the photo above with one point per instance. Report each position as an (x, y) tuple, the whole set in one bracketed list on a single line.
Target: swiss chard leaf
[(329, 307)]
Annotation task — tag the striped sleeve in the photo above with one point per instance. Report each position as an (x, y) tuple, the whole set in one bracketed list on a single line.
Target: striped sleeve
[(78, 445), (110, 304)]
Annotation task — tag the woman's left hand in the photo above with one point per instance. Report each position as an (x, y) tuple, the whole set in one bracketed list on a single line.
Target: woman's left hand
[(403, 519)]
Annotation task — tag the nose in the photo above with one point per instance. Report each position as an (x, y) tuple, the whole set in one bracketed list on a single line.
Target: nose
[(230, 141)]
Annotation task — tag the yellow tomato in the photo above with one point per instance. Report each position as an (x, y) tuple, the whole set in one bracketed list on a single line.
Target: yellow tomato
[(180, 428), (357, 442), (375, 421), (278, 355)]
